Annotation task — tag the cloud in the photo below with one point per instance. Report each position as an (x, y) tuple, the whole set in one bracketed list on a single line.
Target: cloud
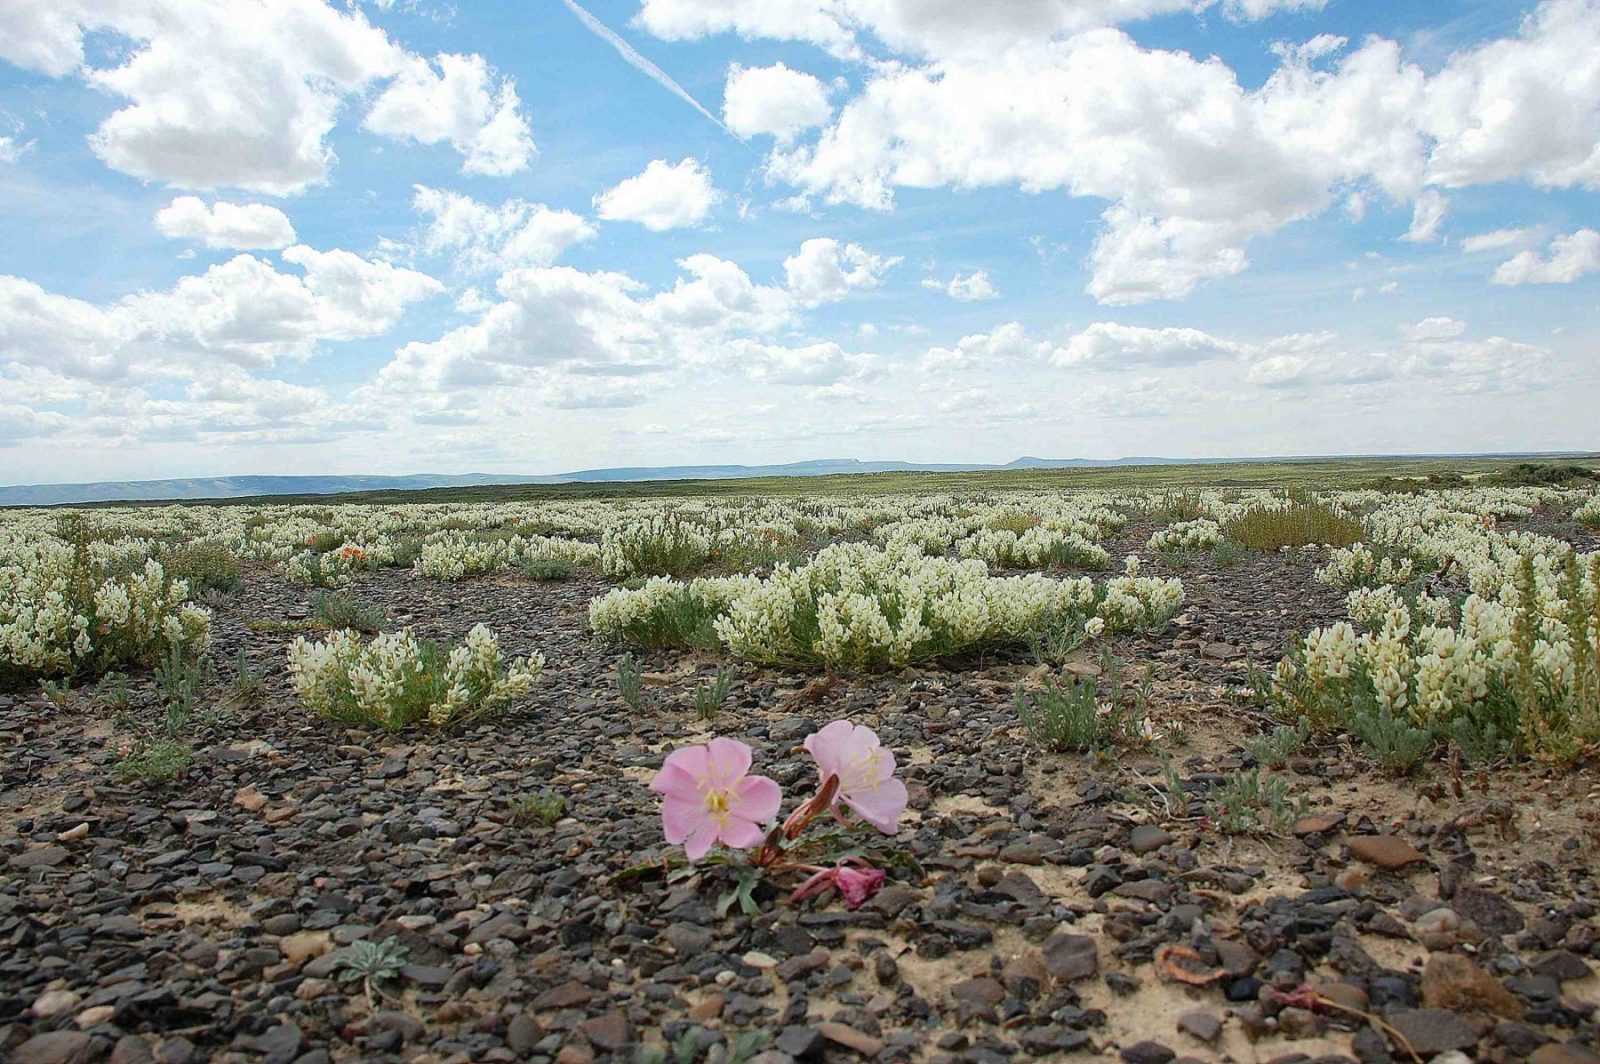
[(225, 225), (1496, 239), (242, 312), (1426, 217), (233, 93), (557, 322), (774, 101), (460, 104), (1568, 258), (1109, 343), (1193, 164), (492, 239), (824, 270), (919, 28), (11, 151), (1429, 330), (965, 289), (662, 197)]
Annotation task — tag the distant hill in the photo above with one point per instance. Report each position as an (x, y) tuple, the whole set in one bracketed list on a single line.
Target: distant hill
[(252, 486)]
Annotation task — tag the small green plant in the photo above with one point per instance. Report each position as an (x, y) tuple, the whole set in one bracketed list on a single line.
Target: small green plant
[(1070, 714), (248, 680), (1177, 559), (542, 809), (156, 762), (182, 678), (206, 567), (57, 692), (406, 551), (630, 682), (1273, 749), (547, 569), (1227, 554), (1246, 804), (333, 611), (1056, 644), (690, 1044), (323, 542), (372, 964), (113, 692), (1398, 745), (708, 698)]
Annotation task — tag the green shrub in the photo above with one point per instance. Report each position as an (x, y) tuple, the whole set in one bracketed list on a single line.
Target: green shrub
[(206, 567), (1399, 745), (1302, 522), (1247, 804), (630, 682), (709, 698), (156, 762), (333, 611), (1070, 714), (1276, 747), (547, 569)]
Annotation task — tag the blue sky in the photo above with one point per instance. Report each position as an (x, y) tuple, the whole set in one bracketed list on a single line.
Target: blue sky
[(391, 237)]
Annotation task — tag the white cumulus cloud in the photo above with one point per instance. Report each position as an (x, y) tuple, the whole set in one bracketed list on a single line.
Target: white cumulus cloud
[(965, 288), (1568, 258), (774, 100), (225, 225), (661, 197)]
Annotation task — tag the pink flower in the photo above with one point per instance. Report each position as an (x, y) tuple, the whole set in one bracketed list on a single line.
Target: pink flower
[(855, 882), (709, 796), (865, 771)]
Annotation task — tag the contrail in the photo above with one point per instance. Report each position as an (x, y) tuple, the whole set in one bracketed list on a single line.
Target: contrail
[(643, 65)]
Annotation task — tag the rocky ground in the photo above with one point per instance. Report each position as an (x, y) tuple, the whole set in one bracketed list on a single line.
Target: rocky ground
[(1066, 907)]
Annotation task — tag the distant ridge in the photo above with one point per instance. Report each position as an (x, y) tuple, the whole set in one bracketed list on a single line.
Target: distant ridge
[(197, 488)]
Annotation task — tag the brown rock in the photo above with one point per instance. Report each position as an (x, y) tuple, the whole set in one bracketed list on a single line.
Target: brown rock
[(39, 857), (609, 1031), (850, 1038), (249, 799), (302, 947), (564, 996), (1389, 852), (1570, 1053), (1071, 957)]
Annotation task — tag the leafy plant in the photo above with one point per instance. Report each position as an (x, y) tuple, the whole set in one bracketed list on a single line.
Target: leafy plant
[(630, 682), (113, 692), (334, 611), (543, 809), (181, 678), (372, 964), (248, 680), (56, 692), (1247, 804), (1398, 745), (1274, 748), (156, 762), (1070, 714), (547, 569), (708, 698)]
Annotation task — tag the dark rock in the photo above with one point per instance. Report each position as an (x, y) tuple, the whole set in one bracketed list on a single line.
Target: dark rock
[(1147, 1052), (1433, 1031), (1071, 957)]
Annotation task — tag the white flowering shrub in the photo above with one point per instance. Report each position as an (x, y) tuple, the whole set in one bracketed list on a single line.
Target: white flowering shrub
[(1038, 546), (398, 680), (663, 545), (1588, 512), (1200, 534), (853, 606), (1517, 672), (1358, 566), (60, 617)]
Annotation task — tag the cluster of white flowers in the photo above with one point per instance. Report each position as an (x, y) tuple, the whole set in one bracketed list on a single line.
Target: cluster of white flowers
[(397, 680), (856, 606), (660, 544), (1588, 511), (1200, 534), (1043, 544), (1357, 566), (55, 620)]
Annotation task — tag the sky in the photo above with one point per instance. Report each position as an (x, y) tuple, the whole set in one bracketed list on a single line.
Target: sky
[(399, 236)]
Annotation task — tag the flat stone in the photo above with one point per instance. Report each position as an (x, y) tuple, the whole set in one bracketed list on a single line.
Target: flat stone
[(1206, 1026), (1071, 957), (1147, 1052), (1567, 1053), (54, 1047), (1488, 910), (609, 1031), (39, 857), (850, 1038), (565, 996), (1146, 838), (1389, 852), (53, 1003), (1433, 1031), (1451, 981)]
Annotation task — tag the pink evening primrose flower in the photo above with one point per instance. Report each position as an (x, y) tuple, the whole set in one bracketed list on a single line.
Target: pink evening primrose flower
[(865, 770), (709, 796)]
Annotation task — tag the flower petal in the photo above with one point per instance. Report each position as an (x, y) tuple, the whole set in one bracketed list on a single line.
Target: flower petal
[(689, 761), (698, 844), (740, 834), (682, 817), (727, 759), (756, 799), (828, 746), (880, 806)]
